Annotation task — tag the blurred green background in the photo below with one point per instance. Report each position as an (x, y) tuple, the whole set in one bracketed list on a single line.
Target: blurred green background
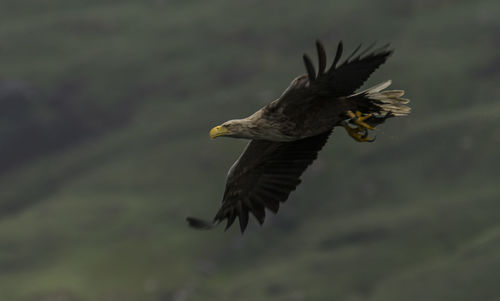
[(104, 119)]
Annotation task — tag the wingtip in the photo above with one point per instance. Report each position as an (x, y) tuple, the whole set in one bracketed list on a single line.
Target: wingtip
[(386, 48), (199, 224), (338, 54), (311, 72), (321, 57)]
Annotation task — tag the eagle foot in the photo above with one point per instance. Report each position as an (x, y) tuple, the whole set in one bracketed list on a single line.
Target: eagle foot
[(359, 119), (360, 132)]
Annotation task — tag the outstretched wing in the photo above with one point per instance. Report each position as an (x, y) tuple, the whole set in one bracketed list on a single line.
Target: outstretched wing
[(347, 77), (339, 80), (264, 176)]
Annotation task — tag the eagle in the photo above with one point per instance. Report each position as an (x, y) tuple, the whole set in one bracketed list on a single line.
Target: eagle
[(287, 134)]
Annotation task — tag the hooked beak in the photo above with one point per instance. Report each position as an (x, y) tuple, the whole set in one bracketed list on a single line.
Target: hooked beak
[(218, 131)]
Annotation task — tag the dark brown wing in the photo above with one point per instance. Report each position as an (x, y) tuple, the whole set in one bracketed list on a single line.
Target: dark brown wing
[(339, 80), (346, 78), (264, 176)]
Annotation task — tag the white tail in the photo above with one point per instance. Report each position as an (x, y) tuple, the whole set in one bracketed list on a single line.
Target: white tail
[(388, 101)]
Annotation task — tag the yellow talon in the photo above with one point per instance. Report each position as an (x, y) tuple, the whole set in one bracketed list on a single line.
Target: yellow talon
[(353, 132), (360, 132), (359, 119), (357, 133)]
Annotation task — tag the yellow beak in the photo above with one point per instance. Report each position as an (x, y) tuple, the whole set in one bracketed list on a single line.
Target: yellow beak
[(218, 131)]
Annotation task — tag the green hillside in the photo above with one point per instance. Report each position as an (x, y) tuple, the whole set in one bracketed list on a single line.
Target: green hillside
[(106, 107)]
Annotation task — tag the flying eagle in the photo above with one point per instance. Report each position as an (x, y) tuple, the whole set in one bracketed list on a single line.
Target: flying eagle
[(287, 134)]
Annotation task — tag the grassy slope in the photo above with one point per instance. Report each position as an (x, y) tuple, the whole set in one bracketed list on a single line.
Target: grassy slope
[(413, 215)]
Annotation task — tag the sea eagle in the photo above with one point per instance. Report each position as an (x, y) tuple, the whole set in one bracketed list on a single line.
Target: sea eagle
[(287, 134)]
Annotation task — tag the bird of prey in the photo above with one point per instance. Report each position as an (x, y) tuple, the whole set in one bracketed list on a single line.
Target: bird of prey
[(287, 134)]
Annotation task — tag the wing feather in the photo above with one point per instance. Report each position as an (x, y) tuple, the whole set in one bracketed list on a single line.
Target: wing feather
[(350, 75), (340, 49), (256, 182), (309, 67), (354, 52), (321, 58), (340, 80)]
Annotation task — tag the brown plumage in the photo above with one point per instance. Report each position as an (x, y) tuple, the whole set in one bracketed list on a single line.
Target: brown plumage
[(287, 134)]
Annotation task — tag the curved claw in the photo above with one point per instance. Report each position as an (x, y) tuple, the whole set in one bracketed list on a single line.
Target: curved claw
[(360, 132), (364, 136), (366, 139)]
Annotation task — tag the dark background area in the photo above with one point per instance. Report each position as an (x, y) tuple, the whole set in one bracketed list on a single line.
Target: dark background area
[(104, 149)]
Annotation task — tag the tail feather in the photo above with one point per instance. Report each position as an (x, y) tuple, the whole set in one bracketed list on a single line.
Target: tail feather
[(388, 102), (377, 88), (392, 94)]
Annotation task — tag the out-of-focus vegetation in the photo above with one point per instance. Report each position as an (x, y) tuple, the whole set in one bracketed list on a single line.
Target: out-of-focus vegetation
[(104, 119)]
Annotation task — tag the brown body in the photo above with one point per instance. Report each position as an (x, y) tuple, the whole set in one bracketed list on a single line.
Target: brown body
[(294, 115), (295, 120)]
